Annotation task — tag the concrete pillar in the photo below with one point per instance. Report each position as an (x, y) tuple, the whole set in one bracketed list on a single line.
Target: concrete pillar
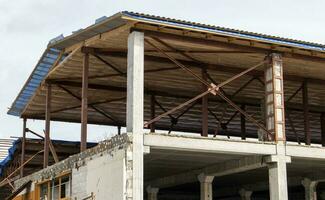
[(245, 194), (310, 189), (152, 193), (134, 110), (206, 187), (277, 165)]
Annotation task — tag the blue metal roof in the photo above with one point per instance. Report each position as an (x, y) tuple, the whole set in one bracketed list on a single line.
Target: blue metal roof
[(41, 70), (11, 151)]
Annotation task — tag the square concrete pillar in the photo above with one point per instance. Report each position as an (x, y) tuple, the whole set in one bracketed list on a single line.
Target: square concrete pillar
[(277, 165), (310, 189), (245, 194), (134, 111), (152, 193), (206, 187)]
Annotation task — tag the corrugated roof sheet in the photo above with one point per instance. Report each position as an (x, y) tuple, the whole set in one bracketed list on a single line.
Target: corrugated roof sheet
[(41, 70), (104, 24), (226, 31)]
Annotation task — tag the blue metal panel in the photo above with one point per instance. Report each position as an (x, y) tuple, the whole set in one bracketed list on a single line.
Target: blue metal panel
[(41, 70)]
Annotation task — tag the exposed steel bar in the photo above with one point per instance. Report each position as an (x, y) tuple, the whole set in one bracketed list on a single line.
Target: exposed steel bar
[(178, 63), (306, 113), (178, 107), (23, 142), (212, 89), (47, 125), (84, 103), (241, 74)]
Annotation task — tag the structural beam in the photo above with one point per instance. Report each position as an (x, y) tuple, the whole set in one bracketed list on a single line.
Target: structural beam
[(217, 170), (23, 142), (84, 103), (152, 112), (306, 113), (322, 124), (47, 125), (135, 103), (205, 127), (243, 124)]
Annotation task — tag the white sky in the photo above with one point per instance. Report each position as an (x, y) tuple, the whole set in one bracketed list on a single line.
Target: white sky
[(26, 26)]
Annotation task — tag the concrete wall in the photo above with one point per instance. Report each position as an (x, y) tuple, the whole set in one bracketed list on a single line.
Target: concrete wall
[(103, 176)]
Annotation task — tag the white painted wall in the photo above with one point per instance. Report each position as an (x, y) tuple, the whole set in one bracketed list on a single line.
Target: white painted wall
[(104, 176)]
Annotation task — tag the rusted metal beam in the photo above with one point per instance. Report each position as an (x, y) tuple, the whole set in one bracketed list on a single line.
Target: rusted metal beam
[(47, 125), (229, 46), (306, 113), (96, 108), (152, 112), (322, 124), (205, 127), (209, 66), (23, 142), (84, 103), (176, 62)]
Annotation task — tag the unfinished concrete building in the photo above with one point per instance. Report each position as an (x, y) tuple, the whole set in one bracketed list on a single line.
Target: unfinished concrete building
[(210, 113)]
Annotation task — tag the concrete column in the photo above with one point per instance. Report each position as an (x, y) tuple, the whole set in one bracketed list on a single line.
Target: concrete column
[(134, 111), (206, 187), (152, 193), (310, 189), (277, 165), (245, 194)]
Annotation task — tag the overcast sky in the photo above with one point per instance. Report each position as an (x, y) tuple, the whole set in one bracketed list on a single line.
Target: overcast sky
[(26, 26)]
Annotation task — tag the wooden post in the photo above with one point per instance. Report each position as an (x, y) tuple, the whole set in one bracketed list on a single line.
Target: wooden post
[(306, 113), (47, 126), (322, 125), (84, 103), (204, 106), (243, 123), (23, 141), (153, 112)]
